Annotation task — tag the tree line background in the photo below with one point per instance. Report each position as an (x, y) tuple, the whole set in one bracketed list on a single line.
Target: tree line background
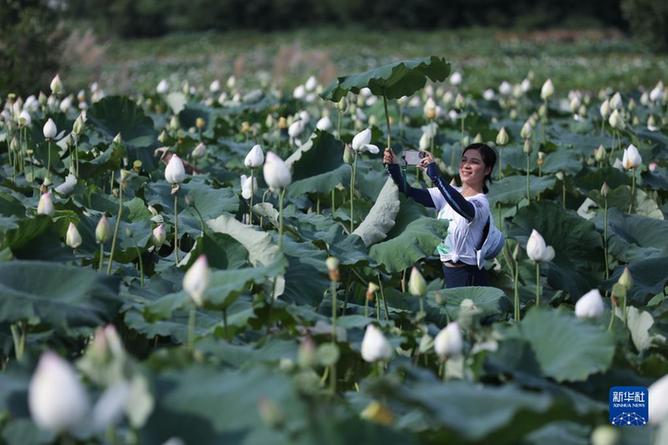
[(31, 31)]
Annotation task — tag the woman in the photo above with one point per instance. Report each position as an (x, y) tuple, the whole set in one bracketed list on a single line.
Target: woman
[(469, 240)]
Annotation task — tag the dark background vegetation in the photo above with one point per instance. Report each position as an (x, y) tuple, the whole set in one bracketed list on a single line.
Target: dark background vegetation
[(31, 31)]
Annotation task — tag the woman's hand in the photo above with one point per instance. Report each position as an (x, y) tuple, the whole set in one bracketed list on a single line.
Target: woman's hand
[(388, 156), (426, 160)]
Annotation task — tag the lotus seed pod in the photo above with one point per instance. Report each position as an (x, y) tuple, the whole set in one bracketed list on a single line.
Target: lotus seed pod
[(200, 123), (378, 413), (282, 122)]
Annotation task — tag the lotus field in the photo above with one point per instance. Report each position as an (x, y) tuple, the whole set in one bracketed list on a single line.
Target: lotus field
[(208, 264)]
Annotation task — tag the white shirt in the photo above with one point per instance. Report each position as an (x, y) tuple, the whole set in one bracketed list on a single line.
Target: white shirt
[(463, 238)]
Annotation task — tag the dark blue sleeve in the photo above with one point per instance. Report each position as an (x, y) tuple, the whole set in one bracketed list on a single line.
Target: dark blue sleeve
[(458, 203), (420, 195)]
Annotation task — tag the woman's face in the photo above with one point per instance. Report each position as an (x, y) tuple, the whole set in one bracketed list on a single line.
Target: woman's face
[(472, 169)]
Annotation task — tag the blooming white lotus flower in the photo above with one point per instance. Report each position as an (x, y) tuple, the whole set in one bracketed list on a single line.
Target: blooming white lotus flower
[(631, 158), (375, 346), (24, 119), (276, 172), (73, 237), (537, 250), (196, 280), (57, 400), (505, 89), (56, 85), (361, 142), (214, 87), (311, 83), (590, 305), (417, 285), (657, 92), (255, 157), (45, 205), (246, 184), (102, 230), (175, 172), (547, 90), (49, 130), (616, 120), (502, 137), (658, 401), (488, 94), (163, 87), (68, 185), (299, 92), (324, 124), (456, 78), (159, 235), (449, 343)]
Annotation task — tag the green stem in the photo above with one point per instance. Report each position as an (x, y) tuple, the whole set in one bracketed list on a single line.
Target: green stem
[(516, 289), (387, 120), (19, 336), (225, 321), (333, 202), (48, 165), (250, 208), (141, 266), (116, 226), (633, 189), (176, 229), (605, 237), (338, 123), (76, 157), (281, 196), (334, 308), (191, 327), (382, 294), (612, 312), (563, 193), (101, 257), (537, 283), (528, 177), (500, 163), (352, 191), (366, 306)]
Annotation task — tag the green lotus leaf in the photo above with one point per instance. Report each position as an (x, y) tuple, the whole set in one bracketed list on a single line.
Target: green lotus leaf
[(650, 276), (381, 218), (567, 348), (63, 296), (639, 323), (394, 80), (511, 189), (489, 300)]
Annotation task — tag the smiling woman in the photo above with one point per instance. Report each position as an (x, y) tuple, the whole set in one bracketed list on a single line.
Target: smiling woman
[(472, 236)]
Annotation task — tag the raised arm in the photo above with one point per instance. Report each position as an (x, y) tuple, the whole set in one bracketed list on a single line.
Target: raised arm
[(420, 195), (458, 203)]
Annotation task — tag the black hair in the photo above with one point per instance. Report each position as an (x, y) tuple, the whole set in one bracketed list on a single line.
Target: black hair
[(488, 156)]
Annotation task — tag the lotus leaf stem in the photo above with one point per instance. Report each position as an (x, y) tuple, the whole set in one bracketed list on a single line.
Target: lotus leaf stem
[(116, 226), (529, 177), (537, 283), (605, 237), (250, 208), (191, 327), (19, 337), (176, 228), (633, 190), (101, 257), (352, 192), (281, 196)]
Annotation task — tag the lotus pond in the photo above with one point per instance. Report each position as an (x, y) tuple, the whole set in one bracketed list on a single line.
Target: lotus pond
[(149, 295)]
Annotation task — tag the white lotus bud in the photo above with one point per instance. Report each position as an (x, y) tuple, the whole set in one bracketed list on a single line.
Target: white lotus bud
[(616, 102), (255, 157), (73, 237), (45, 205), (246, 184), (276, 172), (505, 88), (417, 285), (65, 104), (375, 346), (57, 400), (547, 90), (214, 87), (526, 130), (599, 154), (502, 137), (78, 126), (56, 85), (67, 187), (163, 87), (324, 124), (429, 108), (102, 230), (299, 92), (658, 401), (644, 98), (199, 151), (653, 166), (615, 120), (49, 130), (361, 142), (175, 173), (488, 94), (311, 83), (296, 128), (574, 104), (449, 343), (460, 102), (631, 158), (651, 123), (231, 82), (425, 142), (159, 235), (590, 305), (196, 280), (537, 250), (456, 78), (24, 119), (525, 85), (657, 92)]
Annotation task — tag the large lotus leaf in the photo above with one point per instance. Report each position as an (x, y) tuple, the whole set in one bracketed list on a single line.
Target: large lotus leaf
[(322, 183), (191, 111), (320, 154), (418, 240), (10, 205), (63, 296), (109, 160), (650, 276), (634, 237), (620, 197), (656, 180), (489, 300), (560, 433), (381, 218), (119, 114), (639, 324), (592, 179), (393, 81), (16, 233), (567, 348), (227, 285), (562, 160), (260, 247), (577, 266), (474, 412), (511, 189)]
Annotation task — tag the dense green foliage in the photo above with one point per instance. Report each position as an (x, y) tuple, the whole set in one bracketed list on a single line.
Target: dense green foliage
[(648, 20), (28, 45)]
